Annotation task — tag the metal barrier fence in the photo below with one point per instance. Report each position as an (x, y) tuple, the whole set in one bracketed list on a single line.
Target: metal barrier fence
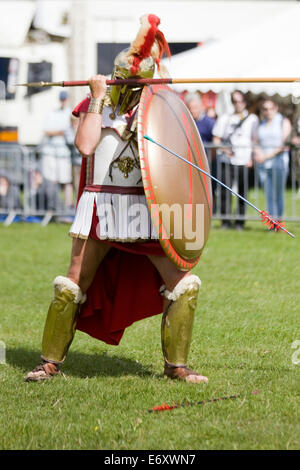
[(26, 195), (275, 189)]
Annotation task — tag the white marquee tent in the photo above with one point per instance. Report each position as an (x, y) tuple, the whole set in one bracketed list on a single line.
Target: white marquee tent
[(270, 49)]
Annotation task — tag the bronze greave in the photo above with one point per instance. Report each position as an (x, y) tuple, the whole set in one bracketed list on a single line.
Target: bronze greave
[(60, 324), (177, 321)]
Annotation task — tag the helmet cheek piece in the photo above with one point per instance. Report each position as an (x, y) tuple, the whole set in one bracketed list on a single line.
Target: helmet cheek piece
[(125, 96), (129, 99)]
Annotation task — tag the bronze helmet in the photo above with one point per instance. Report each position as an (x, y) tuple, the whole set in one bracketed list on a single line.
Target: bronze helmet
[(138, 61)]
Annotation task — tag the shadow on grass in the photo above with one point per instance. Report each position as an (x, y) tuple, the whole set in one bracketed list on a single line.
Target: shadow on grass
[(81, 364)]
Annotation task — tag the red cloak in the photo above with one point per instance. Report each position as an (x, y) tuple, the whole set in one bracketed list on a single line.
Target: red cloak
[(126, 286)]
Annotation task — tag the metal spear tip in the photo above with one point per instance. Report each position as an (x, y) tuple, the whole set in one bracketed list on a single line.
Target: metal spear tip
[(40, 84), (32, 84)]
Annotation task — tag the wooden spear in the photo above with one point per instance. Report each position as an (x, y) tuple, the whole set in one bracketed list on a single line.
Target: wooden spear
[(166, 81)]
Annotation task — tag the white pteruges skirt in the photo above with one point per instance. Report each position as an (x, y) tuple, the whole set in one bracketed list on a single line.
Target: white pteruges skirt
[(121, 217)]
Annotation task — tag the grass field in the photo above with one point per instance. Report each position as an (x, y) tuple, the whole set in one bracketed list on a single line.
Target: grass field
[(247, 320)]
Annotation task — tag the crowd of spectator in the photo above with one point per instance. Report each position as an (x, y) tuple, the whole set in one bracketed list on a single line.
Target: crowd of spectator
[(234, 143), (242, 140), (53, 173), (60, 161)]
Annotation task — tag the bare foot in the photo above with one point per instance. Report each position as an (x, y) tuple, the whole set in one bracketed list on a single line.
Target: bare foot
[(184, 373)]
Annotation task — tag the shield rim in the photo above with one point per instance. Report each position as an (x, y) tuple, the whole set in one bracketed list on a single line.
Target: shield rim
[(182, 263)]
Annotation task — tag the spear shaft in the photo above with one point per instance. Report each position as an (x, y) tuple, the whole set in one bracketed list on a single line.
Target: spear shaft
[(165, 81)]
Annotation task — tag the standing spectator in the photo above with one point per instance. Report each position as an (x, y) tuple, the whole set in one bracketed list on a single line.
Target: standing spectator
[(10, 198), (205, 126), (44, 194), (272, 156), (295, 141), (55, 153), (75, 155), (236, 132), (203, 122)]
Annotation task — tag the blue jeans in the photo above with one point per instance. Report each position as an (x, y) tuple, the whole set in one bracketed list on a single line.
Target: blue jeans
[(273, 180)]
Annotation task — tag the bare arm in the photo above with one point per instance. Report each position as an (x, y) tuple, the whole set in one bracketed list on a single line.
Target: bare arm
[(258, 154), (286, 129), (54, 133), (217, 142), (89, 127)]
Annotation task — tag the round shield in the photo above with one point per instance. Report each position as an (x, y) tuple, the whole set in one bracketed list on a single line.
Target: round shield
[(179, 196)]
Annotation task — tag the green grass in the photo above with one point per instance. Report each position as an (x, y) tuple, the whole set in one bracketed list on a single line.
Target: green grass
[(247, 319)]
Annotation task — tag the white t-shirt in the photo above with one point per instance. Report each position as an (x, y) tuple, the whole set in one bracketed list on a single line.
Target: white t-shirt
[(241, 139), (58, 120)]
